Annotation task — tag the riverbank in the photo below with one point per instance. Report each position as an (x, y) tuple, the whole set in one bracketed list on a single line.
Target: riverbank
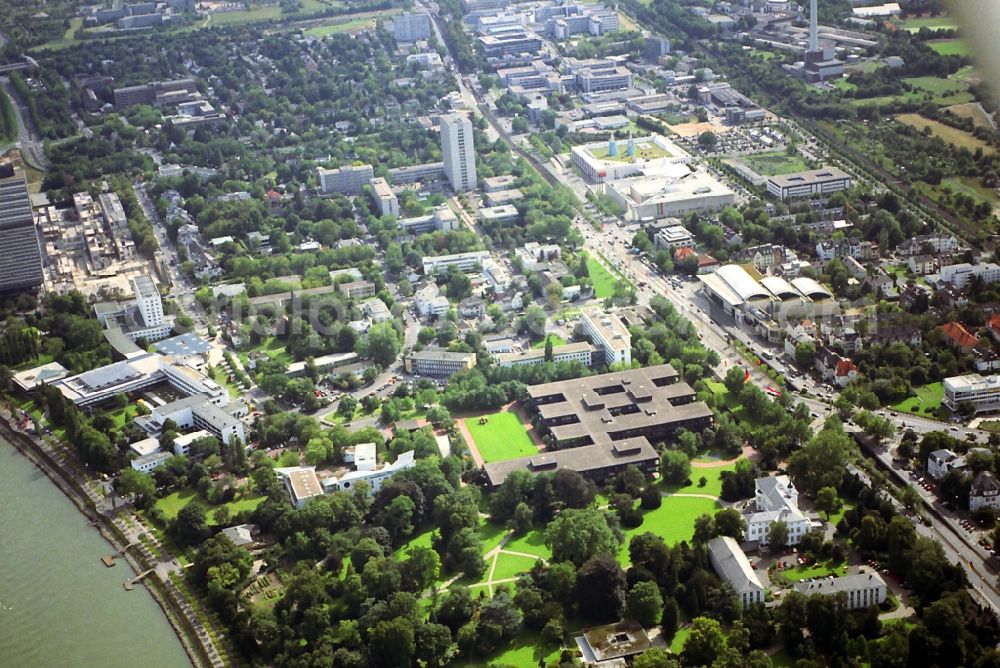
[(176, 610)]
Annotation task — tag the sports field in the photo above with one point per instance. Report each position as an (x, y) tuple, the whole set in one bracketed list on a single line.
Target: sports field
[(950, 47), (914, 24), (775, 163), (501, 437)]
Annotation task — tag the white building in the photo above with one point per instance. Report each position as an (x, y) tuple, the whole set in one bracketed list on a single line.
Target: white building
[(985, 492), (301, 483), (813, 182), (346, 180), (147, 463), (776, 500), (607, 332), (960, 274), (411, 27), (733, 567), (983, 392), (182, 444), (385, 199), (197, 412), (467, 262), (940, 462), (861, 590), (458, 151), (371, 473), (581, 352), (147, 298), (146, 446)]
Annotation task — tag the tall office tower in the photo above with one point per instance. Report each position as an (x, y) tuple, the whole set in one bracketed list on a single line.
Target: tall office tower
[(20, 253), (147, 298), (458, 152)]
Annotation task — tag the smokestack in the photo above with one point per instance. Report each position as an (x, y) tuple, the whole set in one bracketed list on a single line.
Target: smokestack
[(813, 19)]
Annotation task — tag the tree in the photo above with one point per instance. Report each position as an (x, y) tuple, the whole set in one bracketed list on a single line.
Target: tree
[(730, 522), (735, 379), (383, 344), (645, 603), (777, 537), (191, 524), (820, 462), (548, 348), (600, 588), (827, 501), (577, 535), (705, 644), (670, 618), (675, 466), (347, 406), (655, 657), (523, 519), (459, 285), (393, 643), (434, 645), (707, 139), (140, 485), (805, 354), (572, 489)]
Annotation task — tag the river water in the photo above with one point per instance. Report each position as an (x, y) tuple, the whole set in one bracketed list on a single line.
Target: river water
[(59, 605)]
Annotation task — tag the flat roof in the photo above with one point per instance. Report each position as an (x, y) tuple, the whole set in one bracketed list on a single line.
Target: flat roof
[(809, 177), (29, 379), (183, 344), (610, 328), (583, 459), (304, 483), (442, 355)]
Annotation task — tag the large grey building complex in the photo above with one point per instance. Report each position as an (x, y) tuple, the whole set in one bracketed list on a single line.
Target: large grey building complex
[(438, 363), (411, 27), (458, 151), (612, 407), (804, 184), (597, 462), (20, 253), (346, 180)]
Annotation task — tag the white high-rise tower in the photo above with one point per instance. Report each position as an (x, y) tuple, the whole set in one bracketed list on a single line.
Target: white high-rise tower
[(457, 151), (147, 298), (813, 29)]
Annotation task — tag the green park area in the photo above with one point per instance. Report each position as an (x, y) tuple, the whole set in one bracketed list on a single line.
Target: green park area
[(604, 281), (943, 91), (673, 521), (171, 504), (942, 22), (712, 473), (946, 133), (819, 569), (950, 47), (926, 402), (775, 163), (644, 150), (556, 341), (500, 436)]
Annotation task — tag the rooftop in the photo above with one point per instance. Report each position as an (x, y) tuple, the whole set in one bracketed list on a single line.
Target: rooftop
[(583, 459), (732, 564), (846, 583), (809, 177)]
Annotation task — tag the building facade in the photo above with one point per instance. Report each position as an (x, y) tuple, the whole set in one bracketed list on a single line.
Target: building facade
[(458, 151), (438, 363), (609, 334), (345, 180)]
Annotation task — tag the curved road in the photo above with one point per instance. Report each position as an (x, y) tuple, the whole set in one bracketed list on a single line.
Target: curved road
[(28, 139)]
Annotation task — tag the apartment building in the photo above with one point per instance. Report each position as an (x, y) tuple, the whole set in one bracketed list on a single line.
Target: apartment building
[(438, 363), (607, 332), (345, 180)]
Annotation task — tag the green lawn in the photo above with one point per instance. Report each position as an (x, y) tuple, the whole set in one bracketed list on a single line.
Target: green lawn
[(915, 23), (532, 542), (172, 504), (604, 281), (713, 484), (775, 163), (491, 534), (524, 651), (556, 341), (351, 25), (422, 539), (677, 643), (927, 400), (950, 47), (673, 521), (511, 565), (818, 569), (503, 437)]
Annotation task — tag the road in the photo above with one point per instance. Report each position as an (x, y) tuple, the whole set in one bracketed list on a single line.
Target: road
[(28, 139)]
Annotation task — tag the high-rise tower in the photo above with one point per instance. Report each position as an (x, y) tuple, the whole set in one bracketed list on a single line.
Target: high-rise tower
[(458, 152)]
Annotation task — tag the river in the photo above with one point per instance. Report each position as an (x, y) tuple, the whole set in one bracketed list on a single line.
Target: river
[(59, 605)]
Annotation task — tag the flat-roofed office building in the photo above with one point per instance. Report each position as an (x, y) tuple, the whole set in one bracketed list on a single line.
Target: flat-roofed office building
[(20, 252), (813, 182)]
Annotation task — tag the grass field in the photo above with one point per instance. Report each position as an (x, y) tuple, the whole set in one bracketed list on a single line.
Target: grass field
[(816, 570), (422, 539), (971, 186), (491, 533), (556, 341), (604, 281), (673, 521), (503, 437), (937, 85), (527, 650), (953, 136), (352, 25), (973, 111), (927, 401), (775, 163), (173, 503), (950, 47), (532, 542), (713, 476), (511, 565), (915, 23)]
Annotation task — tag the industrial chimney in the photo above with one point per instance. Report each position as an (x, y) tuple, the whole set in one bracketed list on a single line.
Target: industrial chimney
[(813, 20)]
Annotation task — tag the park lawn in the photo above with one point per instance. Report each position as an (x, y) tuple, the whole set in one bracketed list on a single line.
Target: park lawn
[(713, 485), (511, 565), (775, 163), (220, 376), (945, 91), (915, 23), (491, 533), (839, 515), (532, 542), (946, 133), (422, 539), (173, 503), (556, 341), (818, 569), (927, 400), (526, 650), (604, 281), (950, 47), (240, 505), (266, 13), (503, 437), (475, 590), (351, 25), (680, 637), (673, 521)]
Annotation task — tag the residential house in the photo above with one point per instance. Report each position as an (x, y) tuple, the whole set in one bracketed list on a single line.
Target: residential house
[(985, 492), (855, 268), (471, 307), (887, 335), (937, 244), (940, 462), (835, 368), (763, 256), (985, 359), (959, 337), (993, 327), (921, 264), (950, 296)]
